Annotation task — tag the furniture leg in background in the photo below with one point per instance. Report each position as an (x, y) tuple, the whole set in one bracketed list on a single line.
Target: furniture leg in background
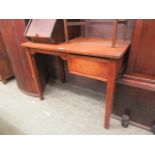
[(61, 70)]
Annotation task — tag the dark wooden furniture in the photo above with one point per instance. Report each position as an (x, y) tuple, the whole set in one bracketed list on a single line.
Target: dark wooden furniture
[(136, 89), (45, 30), (48, 31), (89, 57), (12, 33), (5, 66)]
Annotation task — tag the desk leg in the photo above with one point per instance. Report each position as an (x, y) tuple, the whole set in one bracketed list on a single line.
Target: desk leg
[(109, 94), (62, 70), (35, 73)]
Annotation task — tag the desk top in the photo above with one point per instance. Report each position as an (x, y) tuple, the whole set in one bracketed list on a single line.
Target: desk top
[(97, 47)]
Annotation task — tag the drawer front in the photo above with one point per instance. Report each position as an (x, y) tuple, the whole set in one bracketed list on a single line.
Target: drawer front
[(90, 67)]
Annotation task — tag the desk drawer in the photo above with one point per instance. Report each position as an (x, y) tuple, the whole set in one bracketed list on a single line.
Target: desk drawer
[(95, 68)]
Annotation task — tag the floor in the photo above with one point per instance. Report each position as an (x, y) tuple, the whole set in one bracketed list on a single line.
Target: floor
[(66, 109)]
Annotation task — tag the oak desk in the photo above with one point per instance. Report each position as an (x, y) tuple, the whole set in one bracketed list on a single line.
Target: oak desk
[(89, 57)]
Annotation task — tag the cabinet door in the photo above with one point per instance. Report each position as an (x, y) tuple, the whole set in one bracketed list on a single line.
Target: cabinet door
[(142, 54)]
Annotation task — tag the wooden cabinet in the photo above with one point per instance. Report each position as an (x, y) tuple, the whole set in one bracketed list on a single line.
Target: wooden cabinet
[(12, 32), (139, 79), (5, 66), (142, 55)]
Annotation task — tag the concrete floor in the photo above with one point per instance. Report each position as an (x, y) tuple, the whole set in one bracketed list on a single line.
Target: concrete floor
[(66, 109)]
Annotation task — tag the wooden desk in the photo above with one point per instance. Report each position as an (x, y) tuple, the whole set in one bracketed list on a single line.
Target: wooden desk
[(89, 57)]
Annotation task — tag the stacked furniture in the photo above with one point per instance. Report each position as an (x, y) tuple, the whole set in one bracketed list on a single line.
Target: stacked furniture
[(49, 31)]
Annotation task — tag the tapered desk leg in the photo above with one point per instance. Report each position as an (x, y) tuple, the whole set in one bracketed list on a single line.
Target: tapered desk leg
[(109, 94), (61, 70), (35, 73), (109, 100)]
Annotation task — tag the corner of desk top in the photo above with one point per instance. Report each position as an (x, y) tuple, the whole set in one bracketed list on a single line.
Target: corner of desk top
[(24, 44)]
